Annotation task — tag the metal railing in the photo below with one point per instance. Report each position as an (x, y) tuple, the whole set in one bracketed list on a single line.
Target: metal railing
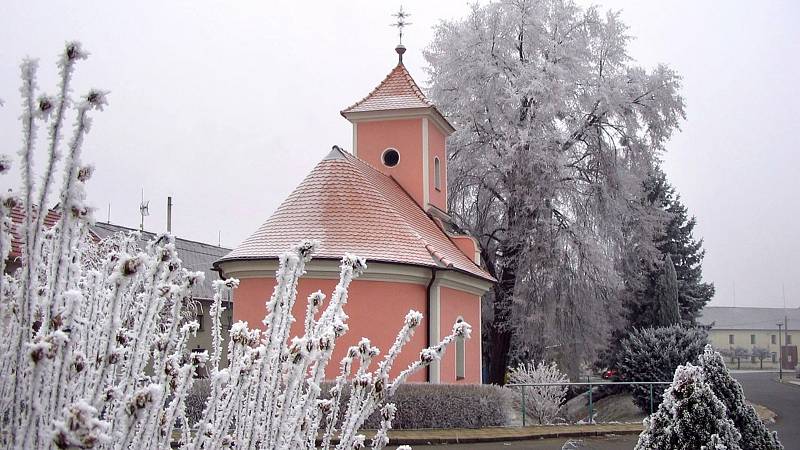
[(591, 385)]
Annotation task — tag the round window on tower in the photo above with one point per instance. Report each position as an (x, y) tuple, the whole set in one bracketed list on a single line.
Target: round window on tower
[(390, 157)]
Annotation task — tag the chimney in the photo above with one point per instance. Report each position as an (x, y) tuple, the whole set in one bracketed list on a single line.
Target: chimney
[(169, 214)]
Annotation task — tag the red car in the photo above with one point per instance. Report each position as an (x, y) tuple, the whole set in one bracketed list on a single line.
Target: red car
[(610, 374)]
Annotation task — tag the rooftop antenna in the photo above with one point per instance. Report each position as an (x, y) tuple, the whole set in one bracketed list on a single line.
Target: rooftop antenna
[(400, 23), (108, 220), (734, 293), (144, 210), (219, 238)]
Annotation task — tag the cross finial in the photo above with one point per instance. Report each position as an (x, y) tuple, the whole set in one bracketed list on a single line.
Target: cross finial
[(401, 23)]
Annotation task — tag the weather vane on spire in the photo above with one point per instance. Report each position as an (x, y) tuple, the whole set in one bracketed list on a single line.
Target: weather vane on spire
[(401, 23)]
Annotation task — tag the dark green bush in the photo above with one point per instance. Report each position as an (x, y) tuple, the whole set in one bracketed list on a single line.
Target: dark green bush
[(653, 354)]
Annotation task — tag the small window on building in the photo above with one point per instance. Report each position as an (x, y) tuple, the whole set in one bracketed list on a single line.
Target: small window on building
[(390, 157), (774, 357), (460, 356), (788, 339), (730, 339), (752, 338), (437, 174), (773, 339)]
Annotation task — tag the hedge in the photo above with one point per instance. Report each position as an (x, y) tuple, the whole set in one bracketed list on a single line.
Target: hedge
[(419, 405)]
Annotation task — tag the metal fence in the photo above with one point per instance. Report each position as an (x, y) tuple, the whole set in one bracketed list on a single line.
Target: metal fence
[(591, 386)]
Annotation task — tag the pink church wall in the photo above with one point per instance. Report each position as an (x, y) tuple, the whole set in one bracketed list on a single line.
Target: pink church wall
[(454, 304), (436, 148), (376, 310), (405, 135)]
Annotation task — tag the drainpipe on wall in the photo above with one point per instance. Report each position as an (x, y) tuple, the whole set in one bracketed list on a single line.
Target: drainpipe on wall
[(428, 316)]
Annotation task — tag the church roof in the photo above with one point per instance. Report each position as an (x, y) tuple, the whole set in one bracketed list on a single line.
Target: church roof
[(396, 92), (349, 206)]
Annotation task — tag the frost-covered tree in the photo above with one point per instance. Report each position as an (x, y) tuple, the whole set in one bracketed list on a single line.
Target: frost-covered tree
[(761, 353), (738, 353), (755, 435), (556, 130), (95, 353), (653, 354), (690, 418), (542, 402)]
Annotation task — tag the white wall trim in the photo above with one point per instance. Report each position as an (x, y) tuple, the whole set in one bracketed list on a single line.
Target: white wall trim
[(399, 114), (480, 340), (459, 281), (434, 324), (355, 139), (425, 164), (329, 269)]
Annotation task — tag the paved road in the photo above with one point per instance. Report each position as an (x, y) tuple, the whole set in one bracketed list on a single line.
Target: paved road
[(604, 443), (759, 387), (782, 398)]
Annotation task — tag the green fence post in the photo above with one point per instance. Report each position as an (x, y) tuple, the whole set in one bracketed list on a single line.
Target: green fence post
[(523, 405), (651, 399), (591, 406)]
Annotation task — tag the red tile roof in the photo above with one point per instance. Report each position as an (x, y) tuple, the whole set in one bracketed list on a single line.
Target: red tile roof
[(397, 91), (349, 206), (18, 222)]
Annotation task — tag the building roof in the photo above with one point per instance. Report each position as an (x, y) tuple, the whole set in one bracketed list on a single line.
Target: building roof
[(349, 206), (397, 91), (195, 256), (18, 219), (744, 318)]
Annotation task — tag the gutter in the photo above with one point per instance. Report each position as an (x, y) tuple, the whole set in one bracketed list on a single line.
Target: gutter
[(434, 270)]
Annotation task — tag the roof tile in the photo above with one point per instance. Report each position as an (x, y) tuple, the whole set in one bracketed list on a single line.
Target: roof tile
[(397, 91), (349, 206)]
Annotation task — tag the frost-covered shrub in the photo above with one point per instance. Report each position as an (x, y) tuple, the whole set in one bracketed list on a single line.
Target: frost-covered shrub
[(690, 417), (449, 406), (95, 333), (653, 354), (543, 403), (755, 435)]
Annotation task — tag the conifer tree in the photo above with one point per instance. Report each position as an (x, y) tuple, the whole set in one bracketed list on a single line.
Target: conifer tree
[(755, 435), (686, 252), (690, 417), (673, 238), (668, 312), (653, 354)]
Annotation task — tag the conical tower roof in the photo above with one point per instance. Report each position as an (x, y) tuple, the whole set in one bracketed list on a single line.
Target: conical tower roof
[(397, 92)]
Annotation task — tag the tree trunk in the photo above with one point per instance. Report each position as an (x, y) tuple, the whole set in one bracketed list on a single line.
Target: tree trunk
[(501, 328)]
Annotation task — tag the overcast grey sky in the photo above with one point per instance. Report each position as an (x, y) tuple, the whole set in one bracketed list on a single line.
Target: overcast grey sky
[(226, 106)]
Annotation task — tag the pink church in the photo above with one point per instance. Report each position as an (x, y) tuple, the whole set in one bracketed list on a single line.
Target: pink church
[(385, 201)]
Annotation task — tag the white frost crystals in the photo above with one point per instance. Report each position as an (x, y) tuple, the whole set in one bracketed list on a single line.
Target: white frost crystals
[(95, 332)]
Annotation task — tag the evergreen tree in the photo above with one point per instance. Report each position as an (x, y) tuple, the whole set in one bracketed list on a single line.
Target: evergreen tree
[(668, 311), (673, 238), (685, 251), (653, 354), (755, 435), (690, 417)]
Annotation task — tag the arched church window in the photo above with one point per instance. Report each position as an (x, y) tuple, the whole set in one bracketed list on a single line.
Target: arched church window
[(437, 174), (461, 357), (390, 157)]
